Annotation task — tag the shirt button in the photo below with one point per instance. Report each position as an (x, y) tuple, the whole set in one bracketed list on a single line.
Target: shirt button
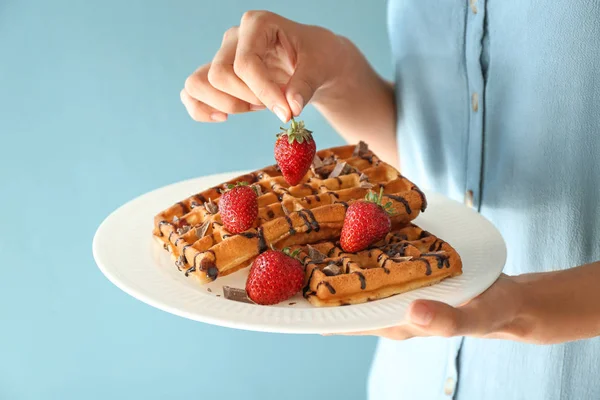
[(473, 6), (449, 386), (475, 101), (469, 198)]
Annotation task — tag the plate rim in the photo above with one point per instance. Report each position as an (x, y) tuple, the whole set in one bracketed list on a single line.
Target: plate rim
[(140, 293)]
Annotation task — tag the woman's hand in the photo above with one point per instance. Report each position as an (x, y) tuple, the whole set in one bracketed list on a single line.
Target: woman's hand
[(493, 314), (268, 61)]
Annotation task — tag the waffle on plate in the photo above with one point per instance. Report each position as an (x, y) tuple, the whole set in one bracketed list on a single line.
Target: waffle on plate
[(311, 213)]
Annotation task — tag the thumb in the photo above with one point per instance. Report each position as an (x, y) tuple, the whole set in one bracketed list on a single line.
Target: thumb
[(300, 90), (440, 319)]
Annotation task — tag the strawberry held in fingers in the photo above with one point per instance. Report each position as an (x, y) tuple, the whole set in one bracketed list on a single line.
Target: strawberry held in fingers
[(239, 207), (275, 276), (295, 150), (366, 222)]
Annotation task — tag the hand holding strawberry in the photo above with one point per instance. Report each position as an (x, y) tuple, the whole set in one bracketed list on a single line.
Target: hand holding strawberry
[(366, 222), (275, 276), (295, 150), (239, 207)]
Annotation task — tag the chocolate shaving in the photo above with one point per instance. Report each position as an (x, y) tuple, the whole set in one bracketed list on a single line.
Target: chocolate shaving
[(175, 219), (258, 189), (211, 207), (236, 294), (201, 230), (183, 230), (194, 204), (402, 259), (291, 304), (285, 210), (209, 290), (363, 177), (180, 263), (366, 185), (360, 149), (338, 170), (329, 160), (315, 255), (317, 162), (332, 270)]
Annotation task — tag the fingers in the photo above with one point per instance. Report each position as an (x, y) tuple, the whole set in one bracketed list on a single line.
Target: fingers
[(440, 319), (256, 33), (221, 75), (199, 111), (299, 90), (198, 87)]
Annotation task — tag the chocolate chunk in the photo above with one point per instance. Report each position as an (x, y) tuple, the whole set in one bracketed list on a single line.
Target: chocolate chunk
[(315, 255), (332, 270), (236, 294), (360, 149), (201, 230), (211, 207)]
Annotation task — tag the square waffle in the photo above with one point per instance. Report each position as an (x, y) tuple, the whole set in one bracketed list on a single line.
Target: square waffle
[(406, 259), (312, 211)]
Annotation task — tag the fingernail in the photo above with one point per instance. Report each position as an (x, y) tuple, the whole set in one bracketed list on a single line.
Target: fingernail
[(280, 112), (420, 314), (256, 107), (297, 103), (218, 117)]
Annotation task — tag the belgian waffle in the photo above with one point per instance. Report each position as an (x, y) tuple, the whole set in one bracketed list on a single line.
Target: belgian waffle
[(310, 212), (408, 258)]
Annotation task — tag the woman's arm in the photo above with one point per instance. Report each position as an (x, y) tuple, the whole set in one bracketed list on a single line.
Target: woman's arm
[(272, 62), (560, 306), (540, 308), (360, 105)]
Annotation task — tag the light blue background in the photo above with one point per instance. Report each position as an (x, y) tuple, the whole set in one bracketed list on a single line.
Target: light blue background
[(89, 118)]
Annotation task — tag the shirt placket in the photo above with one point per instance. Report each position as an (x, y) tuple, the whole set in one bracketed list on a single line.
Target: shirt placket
[(474, 31)]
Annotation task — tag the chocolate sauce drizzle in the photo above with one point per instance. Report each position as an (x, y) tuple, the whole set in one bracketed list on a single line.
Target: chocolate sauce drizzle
[(161, 223), (306, 222), (401, 200), (184, 207), (189, 271), (306, 288), (343, 203), (423, 198), (442, 261), (363, 281), (312, 220), (428, 265), (291, 231), (262, 245), (327, 285)]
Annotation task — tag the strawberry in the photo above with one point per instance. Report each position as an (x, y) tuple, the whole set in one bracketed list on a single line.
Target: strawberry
[(295, 150), (366, 222), (239, 207), (275, 276)]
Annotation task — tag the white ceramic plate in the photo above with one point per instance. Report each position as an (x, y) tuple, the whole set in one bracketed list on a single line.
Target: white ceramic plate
[(129, 257)]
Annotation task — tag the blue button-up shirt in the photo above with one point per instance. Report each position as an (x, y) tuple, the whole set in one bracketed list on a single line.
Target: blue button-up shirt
[(499, 106)]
